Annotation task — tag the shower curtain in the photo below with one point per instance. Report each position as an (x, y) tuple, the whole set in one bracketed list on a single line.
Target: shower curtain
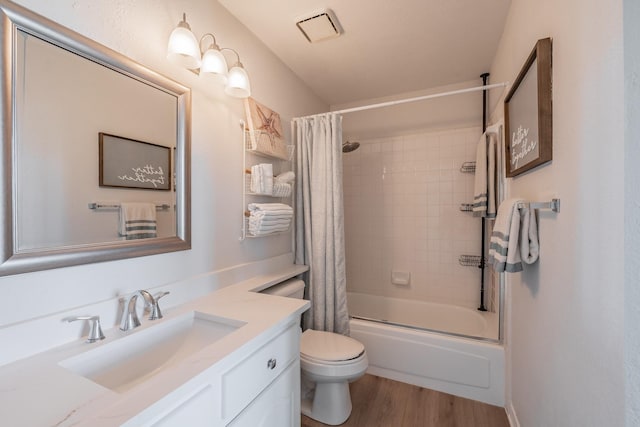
[(319, 219)]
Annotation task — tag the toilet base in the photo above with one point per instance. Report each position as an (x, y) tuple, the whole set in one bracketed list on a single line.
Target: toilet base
[(331, 403)]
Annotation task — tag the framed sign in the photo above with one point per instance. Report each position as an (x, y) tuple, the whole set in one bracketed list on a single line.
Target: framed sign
[(128, 163), (528, 113)]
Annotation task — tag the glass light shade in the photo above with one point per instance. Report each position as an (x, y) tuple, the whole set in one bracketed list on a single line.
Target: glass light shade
[(214, 64), (183, 47), (238, 84)]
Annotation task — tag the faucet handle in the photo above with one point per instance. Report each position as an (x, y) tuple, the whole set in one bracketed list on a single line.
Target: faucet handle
[(155, 309), (129, 319), (95, 331)]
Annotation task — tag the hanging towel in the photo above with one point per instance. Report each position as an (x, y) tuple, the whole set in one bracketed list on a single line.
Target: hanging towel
[(137, 220), (492, 175), (514, 238), (529, 245), (484, 189)]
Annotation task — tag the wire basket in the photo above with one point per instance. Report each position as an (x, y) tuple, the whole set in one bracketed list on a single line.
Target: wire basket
[(263, 144), (471, 260), (280, 190), (468, 167)]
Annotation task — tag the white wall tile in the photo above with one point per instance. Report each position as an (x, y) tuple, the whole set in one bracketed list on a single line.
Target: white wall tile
[(402, 198)]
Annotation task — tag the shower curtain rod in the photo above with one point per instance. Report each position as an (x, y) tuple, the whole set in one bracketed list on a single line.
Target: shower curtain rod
[(404, 101)]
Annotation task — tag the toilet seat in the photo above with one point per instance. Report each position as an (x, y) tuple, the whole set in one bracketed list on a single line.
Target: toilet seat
[(329, 347)]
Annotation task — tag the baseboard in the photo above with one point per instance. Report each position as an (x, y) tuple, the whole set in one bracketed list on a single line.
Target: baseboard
[(511, 415)]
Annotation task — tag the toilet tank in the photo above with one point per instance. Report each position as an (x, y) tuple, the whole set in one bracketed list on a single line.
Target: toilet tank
[(292, 288)]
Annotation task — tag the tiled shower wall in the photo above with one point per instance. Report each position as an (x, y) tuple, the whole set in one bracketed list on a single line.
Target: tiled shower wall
[(402, 213)]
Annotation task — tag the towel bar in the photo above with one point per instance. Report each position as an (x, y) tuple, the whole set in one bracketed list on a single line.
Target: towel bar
[(97, 205), (554, 205)]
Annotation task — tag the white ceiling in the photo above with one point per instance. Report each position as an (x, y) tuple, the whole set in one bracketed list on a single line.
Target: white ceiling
[(387, 48)]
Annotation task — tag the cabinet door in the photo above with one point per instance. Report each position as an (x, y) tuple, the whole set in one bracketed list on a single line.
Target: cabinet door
[(196, 410), (277, 406)]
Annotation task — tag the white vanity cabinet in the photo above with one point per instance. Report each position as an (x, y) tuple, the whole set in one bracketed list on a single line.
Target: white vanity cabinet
[(277, 406), (259, 387), (252, 377)]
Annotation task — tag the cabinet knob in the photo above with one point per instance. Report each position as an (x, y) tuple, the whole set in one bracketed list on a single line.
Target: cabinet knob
[(271, 364)]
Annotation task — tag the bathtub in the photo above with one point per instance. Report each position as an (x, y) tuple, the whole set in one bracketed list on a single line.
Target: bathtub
[(454, 364)]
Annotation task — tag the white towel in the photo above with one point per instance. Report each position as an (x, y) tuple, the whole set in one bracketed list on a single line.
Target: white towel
[(269, 218), (286, 177), (262, 178), (514, 238), (137, 220), (484, 189), (270, 207)]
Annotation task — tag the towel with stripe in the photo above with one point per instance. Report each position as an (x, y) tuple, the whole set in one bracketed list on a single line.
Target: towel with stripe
[(137, 220), (484, 189), (514, 239)]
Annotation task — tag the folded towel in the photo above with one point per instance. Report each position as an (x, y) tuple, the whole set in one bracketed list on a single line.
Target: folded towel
[(270, 207), (514, 238), (484, 189), (269, 218), (262, 178), (137, 221), (286, 177)]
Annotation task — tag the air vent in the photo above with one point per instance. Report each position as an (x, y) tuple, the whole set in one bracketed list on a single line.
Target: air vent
[(320, 26)]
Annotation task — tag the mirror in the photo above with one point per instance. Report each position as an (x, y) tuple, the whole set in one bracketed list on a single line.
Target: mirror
[(86, 130)]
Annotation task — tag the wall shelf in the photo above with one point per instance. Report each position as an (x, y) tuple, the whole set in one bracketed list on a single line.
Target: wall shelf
[(258, 143)]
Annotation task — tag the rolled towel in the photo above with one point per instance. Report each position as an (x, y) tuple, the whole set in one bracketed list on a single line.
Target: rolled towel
[(286, 177)]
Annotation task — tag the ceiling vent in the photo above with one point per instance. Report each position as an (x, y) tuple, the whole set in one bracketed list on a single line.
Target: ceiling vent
[(320, 26)]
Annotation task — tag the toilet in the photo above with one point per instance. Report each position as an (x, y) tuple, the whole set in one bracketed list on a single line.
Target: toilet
[(328, 361)]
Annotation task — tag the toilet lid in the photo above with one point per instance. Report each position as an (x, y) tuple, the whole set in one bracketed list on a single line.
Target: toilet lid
[(329, 346)]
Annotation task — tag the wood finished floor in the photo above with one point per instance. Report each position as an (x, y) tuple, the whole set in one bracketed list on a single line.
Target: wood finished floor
[(380, 402)]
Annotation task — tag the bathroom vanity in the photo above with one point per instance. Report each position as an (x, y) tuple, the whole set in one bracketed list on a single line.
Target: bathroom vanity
[(229, 358)]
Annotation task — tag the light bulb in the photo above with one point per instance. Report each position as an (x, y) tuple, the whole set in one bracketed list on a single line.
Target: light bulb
[(183, 47)]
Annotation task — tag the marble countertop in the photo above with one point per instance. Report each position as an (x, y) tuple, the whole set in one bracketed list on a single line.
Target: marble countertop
[(37, 391)]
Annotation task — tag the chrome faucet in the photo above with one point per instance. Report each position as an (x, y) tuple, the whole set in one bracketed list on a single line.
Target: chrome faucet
[(155, 309), (95, 331), (130, 316)]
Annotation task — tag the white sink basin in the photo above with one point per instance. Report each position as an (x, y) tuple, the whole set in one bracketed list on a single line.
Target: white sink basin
[(129, 361)]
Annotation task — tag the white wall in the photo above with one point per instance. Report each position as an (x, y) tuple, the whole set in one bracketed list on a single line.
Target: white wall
[(566, 330), (140, 30), (632, 207)]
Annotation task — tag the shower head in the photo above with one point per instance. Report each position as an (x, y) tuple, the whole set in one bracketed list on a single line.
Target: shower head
[(348, 147)]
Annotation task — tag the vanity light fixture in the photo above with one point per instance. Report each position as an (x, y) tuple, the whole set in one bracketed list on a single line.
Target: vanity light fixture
[(185, 50)]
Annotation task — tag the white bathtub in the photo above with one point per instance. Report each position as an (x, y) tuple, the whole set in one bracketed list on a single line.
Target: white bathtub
[(460, 366), (425, 315)]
